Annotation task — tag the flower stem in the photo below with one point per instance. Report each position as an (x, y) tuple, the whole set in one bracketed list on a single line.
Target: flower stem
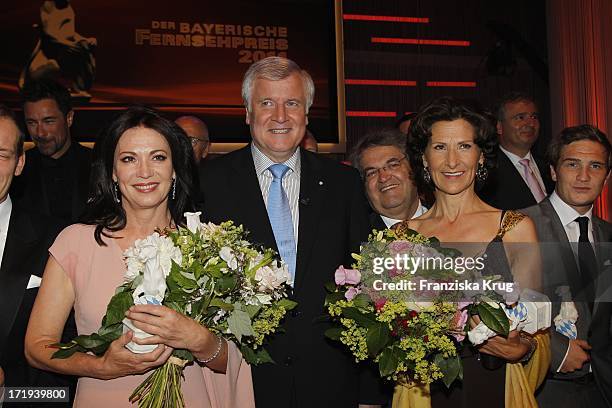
[(162, 389)]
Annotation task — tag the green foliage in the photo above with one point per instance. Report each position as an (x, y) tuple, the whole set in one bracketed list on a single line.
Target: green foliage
[(451, 368), (494, 318), (377, 338), (389, 360)]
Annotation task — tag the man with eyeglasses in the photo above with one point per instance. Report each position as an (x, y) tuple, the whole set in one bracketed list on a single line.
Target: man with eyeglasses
[(380, 157), (197, 132), (521, 179)]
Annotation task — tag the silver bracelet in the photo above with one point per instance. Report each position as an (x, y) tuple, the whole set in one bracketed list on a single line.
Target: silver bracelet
[(216, 353)]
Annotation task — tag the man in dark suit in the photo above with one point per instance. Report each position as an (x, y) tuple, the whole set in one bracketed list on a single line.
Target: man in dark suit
[(313, 211), (56, 176), (520, 179), (381, 159), (574, 250), (24, 241)]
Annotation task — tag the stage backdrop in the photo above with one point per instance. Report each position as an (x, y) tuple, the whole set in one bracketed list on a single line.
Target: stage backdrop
[(182, 56)]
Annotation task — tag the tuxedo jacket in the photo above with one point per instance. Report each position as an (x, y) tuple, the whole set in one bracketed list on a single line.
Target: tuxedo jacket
[(29, 191), (309, 369), (560, 268), (505, 188), (25, 254), (376, 222)]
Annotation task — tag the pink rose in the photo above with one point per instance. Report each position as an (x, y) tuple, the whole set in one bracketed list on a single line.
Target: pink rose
[(352, 292), (459, 320), (347, 276)]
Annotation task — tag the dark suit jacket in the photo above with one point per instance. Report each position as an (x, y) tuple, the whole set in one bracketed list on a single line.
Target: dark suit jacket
[(560, 269), (376, 222), (310, 370), (505, 188), (25, 253), (29, 191)]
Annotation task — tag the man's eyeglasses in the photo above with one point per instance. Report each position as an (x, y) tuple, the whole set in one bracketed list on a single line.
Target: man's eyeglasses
[(194, 141), (391, 165), (520, 117)]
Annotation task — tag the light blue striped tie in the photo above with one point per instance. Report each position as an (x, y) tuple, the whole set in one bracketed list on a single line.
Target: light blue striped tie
[(280, 217)]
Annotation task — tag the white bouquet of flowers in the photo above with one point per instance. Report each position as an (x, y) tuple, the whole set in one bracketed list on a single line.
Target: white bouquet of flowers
[(208, 272)]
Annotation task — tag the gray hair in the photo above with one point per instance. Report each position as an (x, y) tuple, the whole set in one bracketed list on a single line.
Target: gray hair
[(512, 97), (275, 69)]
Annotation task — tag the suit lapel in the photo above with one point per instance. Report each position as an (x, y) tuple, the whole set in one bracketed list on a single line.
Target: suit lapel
[(14, 278), (571, 268), (509, 169), (312, 192), (376, 222), (599, 236), (549, 185)]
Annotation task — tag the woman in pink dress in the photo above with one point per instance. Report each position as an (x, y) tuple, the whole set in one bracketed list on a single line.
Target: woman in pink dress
[(142, 180)]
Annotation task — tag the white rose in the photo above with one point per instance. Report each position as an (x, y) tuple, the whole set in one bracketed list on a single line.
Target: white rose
[(266, 278), (229, 257), (156, 253), (193, 221)]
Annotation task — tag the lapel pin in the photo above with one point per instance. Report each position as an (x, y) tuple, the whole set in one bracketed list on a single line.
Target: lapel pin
[(320, 183)]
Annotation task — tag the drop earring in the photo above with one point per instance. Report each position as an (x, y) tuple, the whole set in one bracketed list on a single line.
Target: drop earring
[(173, 189), (426, 175), (116, 185), (481, 172)]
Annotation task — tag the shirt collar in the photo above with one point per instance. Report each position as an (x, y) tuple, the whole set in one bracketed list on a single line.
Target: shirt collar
[(5, 213), (389, 222), (263, 162), (567, 214), (514, 158)]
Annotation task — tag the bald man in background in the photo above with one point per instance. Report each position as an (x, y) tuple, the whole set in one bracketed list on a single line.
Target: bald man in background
[(197, 132)]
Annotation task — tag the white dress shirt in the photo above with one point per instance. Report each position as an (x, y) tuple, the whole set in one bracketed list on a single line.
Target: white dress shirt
[(5, 215), (389, 222), (568, 216), (532, 165), (291, 181)]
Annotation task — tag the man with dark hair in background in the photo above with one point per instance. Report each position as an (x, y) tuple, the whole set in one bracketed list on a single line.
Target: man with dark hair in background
[(581, 367), (55, 179), (520, 179), (24, 241), (381, 158)]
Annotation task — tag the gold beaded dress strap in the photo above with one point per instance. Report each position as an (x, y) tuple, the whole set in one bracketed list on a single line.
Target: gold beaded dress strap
[(510, 220)]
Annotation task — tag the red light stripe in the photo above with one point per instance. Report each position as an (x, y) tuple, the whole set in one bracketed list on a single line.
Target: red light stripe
[(370, 114), (451, 84), (420, 41), (394, 19), (378, 82)]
